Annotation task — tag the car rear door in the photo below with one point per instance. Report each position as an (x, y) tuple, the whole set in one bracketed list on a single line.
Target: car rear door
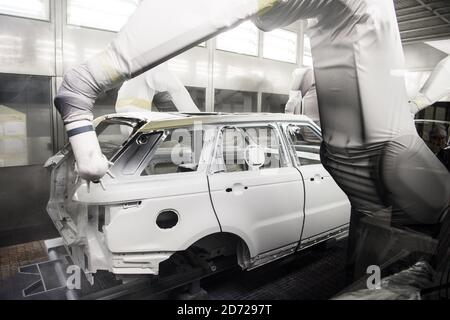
[(326, 206), (264, 206)]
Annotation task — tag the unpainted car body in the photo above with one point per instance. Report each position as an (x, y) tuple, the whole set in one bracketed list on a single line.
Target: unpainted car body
[(179, 181)]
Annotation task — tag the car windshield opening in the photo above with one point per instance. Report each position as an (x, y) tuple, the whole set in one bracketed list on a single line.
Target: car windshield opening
[(112, 135)]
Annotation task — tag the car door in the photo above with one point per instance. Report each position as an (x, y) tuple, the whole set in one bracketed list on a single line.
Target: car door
[(264, 205), (326, 206)]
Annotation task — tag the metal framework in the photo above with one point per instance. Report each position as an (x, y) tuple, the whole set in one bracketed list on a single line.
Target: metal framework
[(421, 20)]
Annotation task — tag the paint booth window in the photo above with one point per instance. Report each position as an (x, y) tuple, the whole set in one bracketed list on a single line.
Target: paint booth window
[(280, 45), (242, 39), (274, 103), (25, 120), (179, 152), (235, 101), (110, 15), (307, 52), (34, 9)]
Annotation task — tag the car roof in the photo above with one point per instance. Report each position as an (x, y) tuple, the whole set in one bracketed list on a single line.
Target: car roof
[(165, 120), (220, 118)]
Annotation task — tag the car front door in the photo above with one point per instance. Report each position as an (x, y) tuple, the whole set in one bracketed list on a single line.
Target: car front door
[(326, 206), (261, 204)]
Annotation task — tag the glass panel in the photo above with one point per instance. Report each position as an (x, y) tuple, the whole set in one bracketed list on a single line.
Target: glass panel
[(25, 120), (100, 14), (242, 39), (235, 101), (274, 103), (307, 53), (305, 142), (280, 45), (35, 9), (179, 152), (231, 154)]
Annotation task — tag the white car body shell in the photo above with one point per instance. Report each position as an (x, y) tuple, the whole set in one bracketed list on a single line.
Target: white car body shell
[(274, 212)]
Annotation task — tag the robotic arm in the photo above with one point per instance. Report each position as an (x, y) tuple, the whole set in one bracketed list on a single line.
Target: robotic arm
[(303, 94), (371, 147), (138, 93), (302, 82), (436, 87)]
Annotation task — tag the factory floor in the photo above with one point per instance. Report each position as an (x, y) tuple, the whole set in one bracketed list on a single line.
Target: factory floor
[(313, 274), (13, 257)]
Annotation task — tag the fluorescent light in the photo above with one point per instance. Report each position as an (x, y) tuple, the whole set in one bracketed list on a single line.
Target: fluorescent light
[(242, 39), (280, 45), (36, 9), (109, 15)]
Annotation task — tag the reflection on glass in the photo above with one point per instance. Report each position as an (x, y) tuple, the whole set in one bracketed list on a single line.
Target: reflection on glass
[(100, 14), (274, 103), (242, 39), (235, 101), (25, 120), (35, 9), (280, 45), (433, 125), (439, 111), (307, 53)]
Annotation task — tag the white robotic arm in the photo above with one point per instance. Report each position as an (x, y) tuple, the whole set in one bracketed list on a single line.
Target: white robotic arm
[(294, 103), (301, 83), (138, 93), (303, 94), (436, 87)]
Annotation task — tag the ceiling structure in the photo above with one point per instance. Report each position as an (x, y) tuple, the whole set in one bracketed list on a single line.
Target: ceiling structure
[(423, 20)]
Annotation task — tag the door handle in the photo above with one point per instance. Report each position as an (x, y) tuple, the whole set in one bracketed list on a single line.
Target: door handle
[(238, 187), (317, 177)]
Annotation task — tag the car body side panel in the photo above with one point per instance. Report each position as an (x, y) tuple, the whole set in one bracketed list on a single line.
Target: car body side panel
[(130, 226)]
